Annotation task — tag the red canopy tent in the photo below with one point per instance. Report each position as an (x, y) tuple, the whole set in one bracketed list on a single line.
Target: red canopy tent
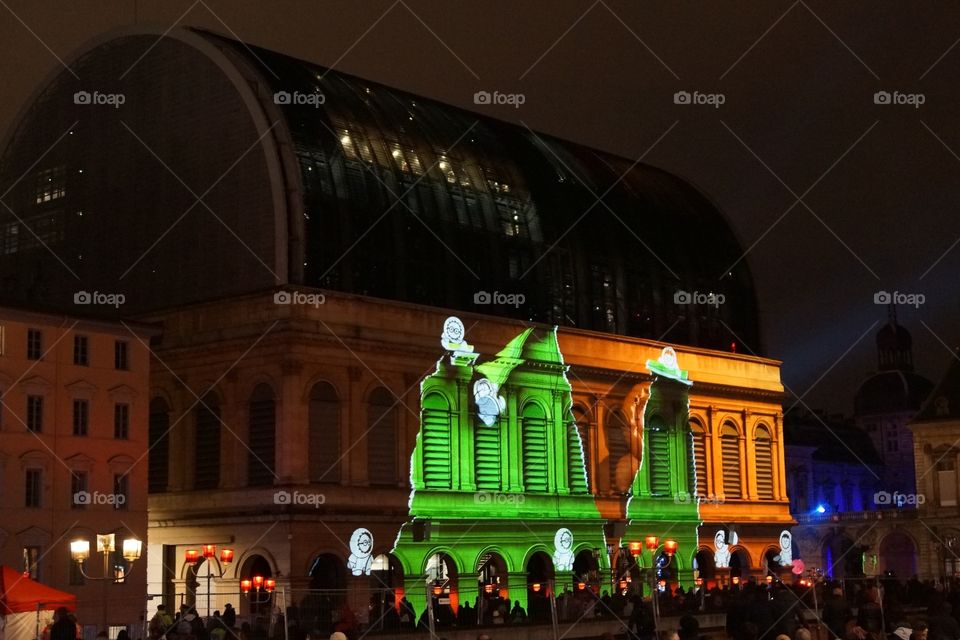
[(26, 605), (19, 594)]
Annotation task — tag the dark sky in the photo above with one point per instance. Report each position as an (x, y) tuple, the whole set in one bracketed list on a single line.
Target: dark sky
[(879, 184)]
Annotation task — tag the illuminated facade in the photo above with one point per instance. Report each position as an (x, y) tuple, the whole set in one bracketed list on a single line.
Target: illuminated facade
[(74, 414), (297, 373)]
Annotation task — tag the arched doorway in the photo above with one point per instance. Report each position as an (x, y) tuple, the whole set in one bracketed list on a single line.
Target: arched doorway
[(586, 571), (739, 564), (201, 586), (842, 558), (442, 578), (540, 575), (257, 603), (898, 556), (492, 586), (386, 589), (328, 588), (771, 563), (704, 563)]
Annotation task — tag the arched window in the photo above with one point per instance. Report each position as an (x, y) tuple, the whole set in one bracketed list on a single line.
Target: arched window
[(618, 448), (158, 468), (382, 438), (324, 425), (658, 456), (577, 464), (486, 451), (763, 445), (261, 437), (206, 420), (698, 436), (730, 458), (533, 429), (435, 445)]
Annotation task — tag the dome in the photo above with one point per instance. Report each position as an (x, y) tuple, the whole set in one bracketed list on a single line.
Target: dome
[(891, 392), (233, 169)]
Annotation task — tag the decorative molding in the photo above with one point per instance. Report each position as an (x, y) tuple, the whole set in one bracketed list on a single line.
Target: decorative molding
[(36, 385), (81, 389), (122, 393)]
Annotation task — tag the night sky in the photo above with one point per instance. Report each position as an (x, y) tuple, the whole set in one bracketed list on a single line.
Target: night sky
[(835, 197)]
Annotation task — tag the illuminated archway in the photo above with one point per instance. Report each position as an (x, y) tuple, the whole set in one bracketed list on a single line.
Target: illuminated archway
[(739, 563), (898, 555), (540, 575)]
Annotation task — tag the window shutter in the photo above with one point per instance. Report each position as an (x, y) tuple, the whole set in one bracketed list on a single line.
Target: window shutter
[(659, 456)]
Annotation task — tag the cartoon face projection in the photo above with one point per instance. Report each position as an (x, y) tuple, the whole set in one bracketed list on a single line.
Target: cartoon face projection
[(453, 334), (489, 404), (668, 358), (361, 548), (786, 549), (721, 556), (563, 556)]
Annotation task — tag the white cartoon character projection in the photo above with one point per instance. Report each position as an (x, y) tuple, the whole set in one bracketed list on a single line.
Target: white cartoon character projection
[(361, 546), (666, 366), (489, 404), (786, 549), (563, 556), (721, 556), (452, 339)]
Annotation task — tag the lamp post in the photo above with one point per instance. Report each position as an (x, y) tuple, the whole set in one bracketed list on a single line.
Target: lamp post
[(258, 585), (652, 543), (106, 544), (209, 551)]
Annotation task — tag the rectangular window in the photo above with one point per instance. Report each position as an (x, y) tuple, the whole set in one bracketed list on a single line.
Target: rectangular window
[(34, 344), (81, 417), (3, 340), (79, 497), (35, 414), (120, 360), (121, 491), (33, 488), (121, 421), (51, 184), (31, 562), (80, 356)]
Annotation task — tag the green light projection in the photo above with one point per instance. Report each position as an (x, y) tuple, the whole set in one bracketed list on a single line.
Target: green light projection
[(498, 474)]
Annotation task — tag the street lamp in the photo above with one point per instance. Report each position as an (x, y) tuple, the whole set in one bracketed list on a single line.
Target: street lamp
[(259, 585), (209, 552), (131, 549), (669, 549)]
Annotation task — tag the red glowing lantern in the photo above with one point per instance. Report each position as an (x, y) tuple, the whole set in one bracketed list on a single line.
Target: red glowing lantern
[(769, 579), (670, 547), (245, 586), (623, 584), (192, 556), (269, 585), (209, 550), (581, 586), (736, 580), (536, 587), (437, 590), (488, 588), (257, 582), (652, 542), (636, 549), (226, 556), (698, 581)]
